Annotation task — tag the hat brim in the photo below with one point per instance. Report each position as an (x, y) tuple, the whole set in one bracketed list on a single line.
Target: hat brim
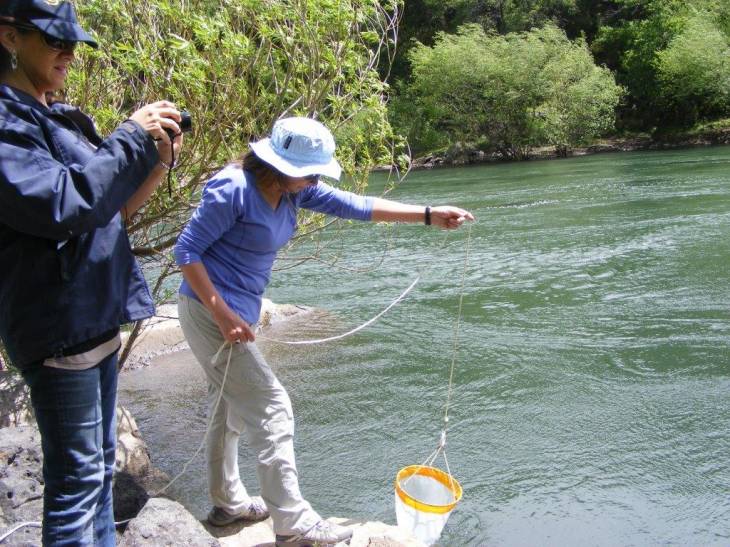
[(64, 30), (291, 168)]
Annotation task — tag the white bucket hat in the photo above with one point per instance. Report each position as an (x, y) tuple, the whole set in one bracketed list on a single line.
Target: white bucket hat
[(299, 147)]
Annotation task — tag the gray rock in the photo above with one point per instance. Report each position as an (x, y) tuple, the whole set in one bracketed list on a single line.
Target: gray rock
[(272, 313), (21, 483), (21, 477), (133, 455), (164, 522), (25, 536), (135, 478), (379, 534), (365, 534)]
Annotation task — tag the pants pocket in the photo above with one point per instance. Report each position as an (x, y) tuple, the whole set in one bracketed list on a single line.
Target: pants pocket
[(251, 367)]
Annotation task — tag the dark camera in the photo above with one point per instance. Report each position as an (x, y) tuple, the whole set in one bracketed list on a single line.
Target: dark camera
[(186, 124)]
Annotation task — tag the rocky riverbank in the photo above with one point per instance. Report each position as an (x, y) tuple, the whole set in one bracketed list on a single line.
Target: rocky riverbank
[(460, 155), (146, 516)]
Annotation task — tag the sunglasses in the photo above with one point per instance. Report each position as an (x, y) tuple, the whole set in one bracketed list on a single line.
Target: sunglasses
[(51, 41), (60, 45)]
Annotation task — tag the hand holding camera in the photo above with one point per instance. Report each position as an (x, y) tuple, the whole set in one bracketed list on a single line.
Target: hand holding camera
[(159, 118), (165, 124), (170, 148)]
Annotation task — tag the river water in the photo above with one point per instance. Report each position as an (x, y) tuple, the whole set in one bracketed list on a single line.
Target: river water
[(591, 401)]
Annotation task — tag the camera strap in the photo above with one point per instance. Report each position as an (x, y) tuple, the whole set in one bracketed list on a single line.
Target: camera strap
[(172, 166)]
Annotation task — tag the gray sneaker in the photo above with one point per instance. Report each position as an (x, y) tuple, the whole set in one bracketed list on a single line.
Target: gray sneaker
[(322, 534), (255, 511)]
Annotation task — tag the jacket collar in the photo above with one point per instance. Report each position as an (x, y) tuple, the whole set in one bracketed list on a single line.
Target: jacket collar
[(14, 94)]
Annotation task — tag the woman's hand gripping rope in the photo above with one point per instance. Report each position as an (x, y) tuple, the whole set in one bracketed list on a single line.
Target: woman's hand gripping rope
[(448, 217), (234, 329)]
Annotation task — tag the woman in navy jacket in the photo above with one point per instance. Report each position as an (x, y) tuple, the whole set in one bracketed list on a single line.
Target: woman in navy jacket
[(68, 278)]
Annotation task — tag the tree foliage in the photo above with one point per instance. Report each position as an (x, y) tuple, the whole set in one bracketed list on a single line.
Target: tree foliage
[(693, 71), (646, 43), (509, 92), (237, 66), (669, 55), (423, 20)]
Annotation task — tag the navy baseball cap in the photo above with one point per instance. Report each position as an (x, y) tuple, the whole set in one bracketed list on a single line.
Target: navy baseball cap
[(56, 18)]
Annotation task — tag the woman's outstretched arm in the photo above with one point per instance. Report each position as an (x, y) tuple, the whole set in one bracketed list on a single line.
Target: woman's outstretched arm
[(444, 216)]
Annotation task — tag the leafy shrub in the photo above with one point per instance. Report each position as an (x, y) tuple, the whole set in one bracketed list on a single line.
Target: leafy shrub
[(515, 91), (694, 71)]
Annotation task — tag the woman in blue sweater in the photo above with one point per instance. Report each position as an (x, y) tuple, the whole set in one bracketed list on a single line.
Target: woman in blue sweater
[(248, 211)]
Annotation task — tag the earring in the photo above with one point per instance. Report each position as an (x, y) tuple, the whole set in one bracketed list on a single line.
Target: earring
[(13, 60)]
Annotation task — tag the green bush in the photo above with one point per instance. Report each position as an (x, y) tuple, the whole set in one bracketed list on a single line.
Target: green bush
[(694, 71), (665, 52), (515, 92)]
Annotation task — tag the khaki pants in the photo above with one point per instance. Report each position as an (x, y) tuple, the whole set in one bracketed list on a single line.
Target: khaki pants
[(254, 400)]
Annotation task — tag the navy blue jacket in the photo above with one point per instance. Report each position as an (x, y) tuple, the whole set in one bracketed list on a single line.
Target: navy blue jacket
[(67, 273)]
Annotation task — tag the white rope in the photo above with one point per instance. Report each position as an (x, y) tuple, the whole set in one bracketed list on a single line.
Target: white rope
[(215, 409), (441, 448), (11, 531), (223, 383), (454, 353), (228, 364), (455, 346), (348, 333)]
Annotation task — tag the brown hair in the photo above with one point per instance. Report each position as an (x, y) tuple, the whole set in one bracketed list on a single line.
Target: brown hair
[(253, 164), (261, 170)]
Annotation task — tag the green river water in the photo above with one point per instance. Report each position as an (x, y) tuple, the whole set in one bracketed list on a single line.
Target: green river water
[(591, 401)]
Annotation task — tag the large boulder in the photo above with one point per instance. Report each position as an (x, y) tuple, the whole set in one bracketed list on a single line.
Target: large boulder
[(162, 333), (272, 313), (163, 522), (135, 478), (133, 455), (21, 477)]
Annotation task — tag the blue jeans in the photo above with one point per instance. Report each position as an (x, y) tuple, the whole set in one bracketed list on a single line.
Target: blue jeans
[(76, 415)]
